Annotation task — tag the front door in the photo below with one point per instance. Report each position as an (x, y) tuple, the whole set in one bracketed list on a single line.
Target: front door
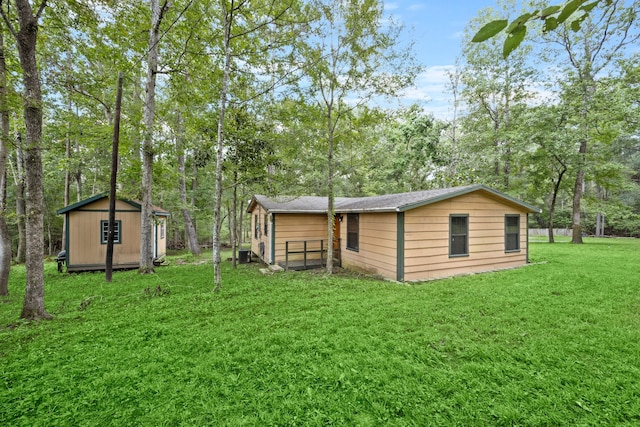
[(336, 238)]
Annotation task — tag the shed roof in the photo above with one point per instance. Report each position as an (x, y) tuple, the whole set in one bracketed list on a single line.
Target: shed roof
[(136, 204), (386, 203)]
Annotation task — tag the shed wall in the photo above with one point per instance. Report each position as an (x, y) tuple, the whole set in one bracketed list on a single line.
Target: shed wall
[(85, 249), (160, 236)]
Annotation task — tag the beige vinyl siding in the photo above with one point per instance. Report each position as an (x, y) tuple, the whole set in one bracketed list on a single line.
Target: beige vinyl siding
[(299, 227), (162, 240), (427, 238), (377, 244), (85, 248), (103, 204)]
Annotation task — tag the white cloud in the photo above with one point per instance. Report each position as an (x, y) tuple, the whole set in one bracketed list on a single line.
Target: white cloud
[(458, 35), (430, 90), (391, 6)]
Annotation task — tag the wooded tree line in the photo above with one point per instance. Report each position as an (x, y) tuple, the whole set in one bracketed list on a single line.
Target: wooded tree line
[(224, 99)]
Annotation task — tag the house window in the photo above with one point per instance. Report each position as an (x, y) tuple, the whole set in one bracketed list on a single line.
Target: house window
[(104, 232), (266, 225), (353, 231), (458, 235), (162, 229), (511, 233), (256, 231)]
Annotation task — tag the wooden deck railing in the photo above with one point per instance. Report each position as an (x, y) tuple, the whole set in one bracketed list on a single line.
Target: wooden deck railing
[(314, 253)]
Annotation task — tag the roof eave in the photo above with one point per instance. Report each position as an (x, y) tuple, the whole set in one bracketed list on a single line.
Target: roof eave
[(365, 210), (252, 203), (97, 197), (468, 190), (294, 211), (81, 203)]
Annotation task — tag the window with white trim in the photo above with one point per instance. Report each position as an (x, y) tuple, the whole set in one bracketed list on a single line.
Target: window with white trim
[(104, 231)]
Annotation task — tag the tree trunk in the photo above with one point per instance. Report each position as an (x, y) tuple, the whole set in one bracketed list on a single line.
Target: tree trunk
[(5, 238), (454, 87), (67, 182), (232, 239), (234, 221), (67, 153), (577, 196), (26, 37), (146, 238), (21, 210), (330, 197), (113, 182), (78, 179), (217, 214), (554, 198), (240, 228), (49, 238), (189, 229)]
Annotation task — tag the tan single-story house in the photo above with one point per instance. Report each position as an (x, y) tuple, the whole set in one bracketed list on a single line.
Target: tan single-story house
[(412, 236), (87, 227)]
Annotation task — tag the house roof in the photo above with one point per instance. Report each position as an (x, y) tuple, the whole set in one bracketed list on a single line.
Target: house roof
[(387, 203), (136, 204), (300, 204)]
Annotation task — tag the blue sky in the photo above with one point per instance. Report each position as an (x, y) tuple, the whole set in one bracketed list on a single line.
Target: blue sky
[(436, 26)]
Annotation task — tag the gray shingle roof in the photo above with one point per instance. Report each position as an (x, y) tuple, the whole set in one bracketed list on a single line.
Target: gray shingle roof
[(303, 204), (134, 203), (386, 203)]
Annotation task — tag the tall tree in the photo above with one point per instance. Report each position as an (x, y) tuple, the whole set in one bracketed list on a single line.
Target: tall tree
[(495, 91), (229, 13), (454, 86), (113, 182), (5, 238), (602, 36), (603, 29), (158, 10), (352, 56), (251, 33), (416, 153), (19, 179), (189, 227), (573, 12), (549, 156), (26, 36)]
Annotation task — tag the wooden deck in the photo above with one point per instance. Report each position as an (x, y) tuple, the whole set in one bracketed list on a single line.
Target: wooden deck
[(299, 265), (311, 264), (313, 253)]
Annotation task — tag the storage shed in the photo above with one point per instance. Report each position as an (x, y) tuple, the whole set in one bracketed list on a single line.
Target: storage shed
[(405, 237), (87, 229)]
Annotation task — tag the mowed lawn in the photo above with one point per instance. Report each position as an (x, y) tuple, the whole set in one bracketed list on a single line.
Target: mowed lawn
[(553, 343)]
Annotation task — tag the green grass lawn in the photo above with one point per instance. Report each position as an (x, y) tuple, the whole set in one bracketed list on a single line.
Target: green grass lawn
[(553, 343)]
